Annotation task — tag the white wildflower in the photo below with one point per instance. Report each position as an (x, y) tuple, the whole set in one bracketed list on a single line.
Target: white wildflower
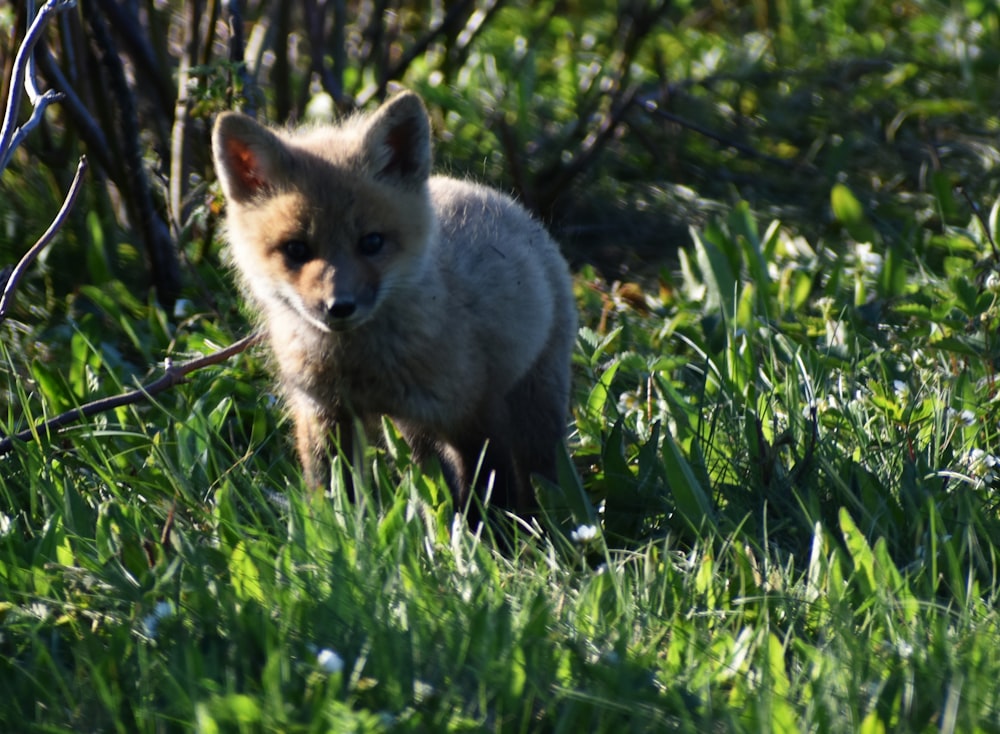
[(965, 417), (905, 649), (151, 622), (183, 308), (901, 389), (584, 534), (867, 260), (330, 661), (981, 466)]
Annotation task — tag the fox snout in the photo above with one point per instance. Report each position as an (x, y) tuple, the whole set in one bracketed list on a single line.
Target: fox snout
[(344, 306), (338, 309), (337, 295)]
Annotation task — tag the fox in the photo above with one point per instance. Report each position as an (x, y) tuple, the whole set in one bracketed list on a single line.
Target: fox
[(384, 290)]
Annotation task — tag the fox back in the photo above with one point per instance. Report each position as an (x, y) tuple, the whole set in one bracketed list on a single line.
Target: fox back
[(388, 291)]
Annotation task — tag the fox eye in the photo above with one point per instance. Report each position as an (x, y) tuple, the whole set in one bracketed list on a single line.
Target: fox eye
[(297, 251), (371, 243)]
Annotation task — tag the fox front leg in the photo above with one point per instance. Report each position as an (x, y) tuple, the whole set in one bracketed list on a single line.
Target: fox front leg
[(318, 436)]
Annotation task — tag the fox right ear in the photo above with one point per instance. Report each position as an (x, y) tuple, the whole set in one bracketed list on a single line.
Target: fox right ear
[(248, 156), (398, 141)]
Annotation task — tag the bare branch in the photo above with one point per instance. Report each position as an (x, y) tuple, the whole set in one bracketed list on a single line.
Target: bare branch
[(10, 135), (177, 185), (982, 221), (93, 136), (233, 14), (650, 105), (163, 258), (150, 71), (172, 376), (7, 298), (454, 21)]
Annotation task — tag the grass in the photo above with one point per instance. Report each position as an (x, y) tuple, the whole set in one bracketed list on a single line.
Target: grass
[(793, 530), (778, 510)]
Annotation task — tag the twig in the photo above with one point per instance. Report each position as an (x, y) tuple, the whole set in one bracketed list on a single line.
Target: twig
[(149, 70), (29, 257), (237, 56), (178, 183), (93, 136), (982, 220), (454, 20), (24, 68), (163, 257), (315, 15), (650, 105), (172, 376), (589, 149)]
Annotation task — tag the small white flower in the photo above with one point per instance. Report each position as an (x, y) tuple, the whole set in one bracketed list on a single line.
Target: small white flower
[(330, 661), (870, 262), (901, 389), (183, 308), (151, 622), (584, 534), (904, 648), (965, 417), (981, 466), (993, 282)]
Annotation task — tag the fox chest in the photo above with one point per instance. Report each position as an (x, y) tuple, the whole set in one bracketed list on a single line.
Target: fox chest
[(367, 381)]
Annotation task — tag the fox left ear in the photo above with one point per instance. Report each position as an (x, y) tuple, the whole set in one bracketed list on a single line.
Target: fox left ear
[(249, 159), (397, 142)]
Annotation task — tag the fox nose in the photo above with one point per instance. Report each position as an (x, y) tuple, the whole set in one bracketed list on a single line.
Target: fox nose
[(341, 309)]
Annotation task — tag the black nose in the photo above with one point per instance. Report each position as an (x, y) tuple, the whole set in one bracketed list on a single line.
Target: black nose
[(341, 309)]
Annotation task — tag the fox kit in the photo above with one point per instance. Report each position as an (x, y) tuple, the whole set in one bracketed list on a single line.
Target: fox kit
[(387, 291)]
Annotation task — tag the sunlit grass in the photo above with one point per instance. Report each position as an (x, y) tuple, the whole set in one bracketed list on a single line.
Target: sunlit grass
[(794, 530)]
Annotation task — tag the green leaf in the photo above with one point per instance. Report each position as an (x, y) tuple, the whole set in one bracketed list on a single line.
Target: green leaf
[(244, 575), (692, 501), (849, 212), (600, 394), (893, 278), (569, 496), (860, 553), (717, 273)]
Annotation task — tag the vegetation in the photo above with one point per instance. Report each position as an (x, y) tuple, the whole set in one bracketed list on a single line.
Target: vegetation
[(779, 507)]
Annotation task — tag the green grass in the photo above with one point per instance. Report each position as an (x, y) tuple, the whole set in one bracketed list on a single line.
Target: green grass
[(790, 532), (779, 507)]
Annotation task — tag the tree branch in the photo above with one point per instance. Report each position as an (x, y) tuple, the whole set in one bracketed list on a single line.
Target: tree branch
[(29, 257), (454, 20), (163, 257), (74, 107), (652, 106), (172, 376), (24, 69)]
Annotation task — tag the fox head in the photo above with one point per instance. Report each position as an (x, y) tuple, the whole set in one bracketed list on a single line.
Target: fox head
[(328, 221)]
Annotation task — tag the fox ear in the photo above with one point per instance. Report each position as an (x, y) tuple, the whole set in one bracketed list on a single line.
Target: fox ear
[(249, 158), (397, 143)]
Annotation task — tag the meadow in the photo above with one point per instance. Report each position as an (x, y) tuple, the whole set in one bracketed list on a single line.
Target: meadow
[(778, 507)]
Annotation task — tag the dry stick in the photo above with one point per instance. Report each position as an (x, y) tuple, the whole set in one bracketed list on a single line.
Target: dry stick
[(29, 257), (173, 375)]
